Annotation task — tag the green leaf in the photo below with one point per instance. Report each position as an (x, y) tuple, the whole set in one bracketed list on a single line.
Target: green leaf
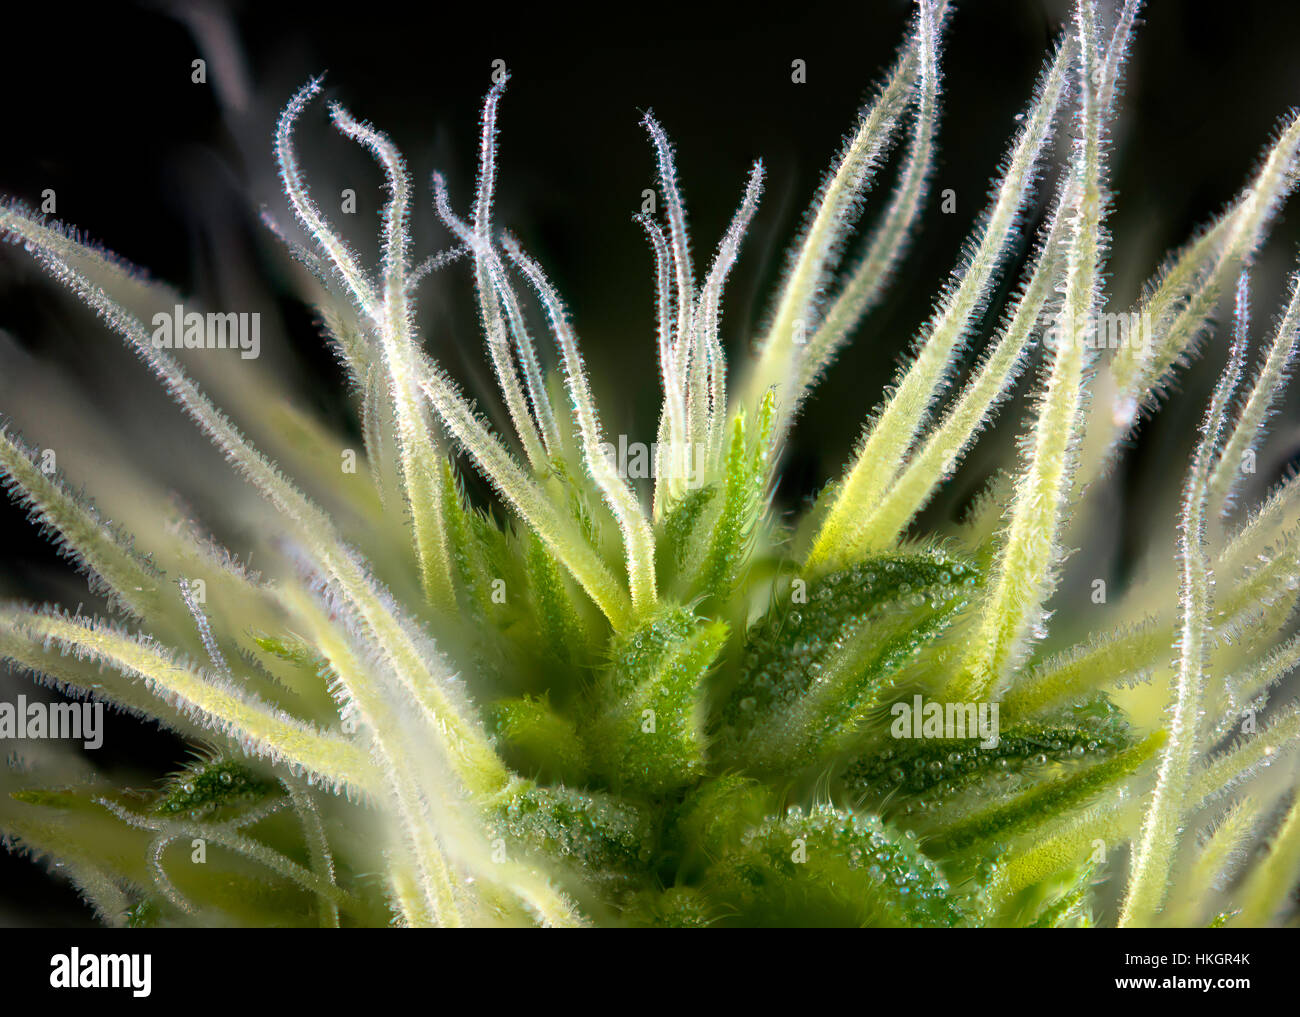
[(1025, 812), (557, 607), (214, 787), (815, 668), (834, 867), (606, 838), (646, 727), (548, 741), (903, 770), (732, 532)]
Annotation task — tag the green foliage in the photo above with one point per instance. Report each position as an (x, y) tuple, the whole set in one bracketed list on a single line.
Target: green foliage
[(830, 866), (814, 671), (907, 773), (211, 787), (589, 702), (646, 724)]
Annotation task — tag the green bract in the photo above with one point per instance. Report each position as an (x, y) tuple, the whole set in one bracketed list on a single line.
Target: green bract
[(599, 701)]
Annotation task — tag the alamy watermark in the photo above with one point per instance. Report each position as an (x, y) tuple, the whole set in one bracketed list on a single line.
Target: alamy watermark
[(635, 460), (82, 722), (1107, 331), (75, 970), (919, 719), (190, 330)]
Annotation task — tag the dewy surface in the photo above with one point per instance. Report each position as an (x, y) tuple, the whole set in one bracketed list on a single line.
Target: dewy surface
[(623, 689)]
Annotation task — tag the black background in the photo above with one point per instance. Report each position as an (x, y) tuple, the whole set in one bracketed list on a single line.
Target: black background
[(98, 104)]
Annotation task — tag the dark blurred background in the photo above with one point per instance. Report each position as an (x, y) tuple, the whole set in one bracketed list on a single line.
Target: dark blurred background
[(99, 105)]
